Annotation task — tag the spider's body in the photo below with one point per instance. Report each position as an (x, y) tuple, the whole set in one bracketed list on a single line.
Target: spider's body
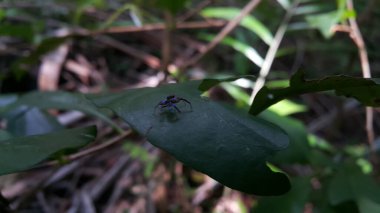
[(171, 102)]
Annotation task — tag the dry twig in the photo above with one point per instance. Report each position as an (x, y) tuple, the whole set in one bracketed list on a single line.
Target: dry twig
[(160, 27), (265, 68), (357, 37)]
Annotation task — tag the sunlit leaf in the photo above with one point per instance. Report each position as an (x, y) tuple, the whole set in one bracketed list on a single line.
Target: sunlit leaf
[(249, 22), (208, 83), (287, 107), (324, 22), (241, 47)]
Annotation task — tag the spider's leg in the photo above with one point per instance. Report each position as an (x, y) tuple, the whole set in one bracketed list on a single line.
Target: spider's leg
[(182, 99), (160, 105), (163, 106), (175, 107)]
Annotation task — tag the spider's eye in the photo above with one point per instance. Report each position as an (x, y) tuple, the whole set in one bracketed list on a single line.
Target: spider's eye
[(170, 97)]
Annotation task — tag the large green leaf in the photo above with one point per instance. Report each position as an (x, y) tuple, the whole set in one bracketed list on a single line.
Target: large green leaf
[(59, 100), (367, 91), (226, 144), (299, 149), (20, 153)]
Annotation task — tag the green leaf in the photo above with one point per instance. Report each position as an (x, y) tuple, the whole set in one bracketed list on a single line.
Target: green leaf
[(239, 46), (60, 100), (6, 100), (324, 22), (17, 30), (287, 107), (298, 150), (208, 83), (226, 144), (5, 135), (31, 121), (172, 5), (20, 153), (294, 201), (350, 184), (249, 22), (366, 91)]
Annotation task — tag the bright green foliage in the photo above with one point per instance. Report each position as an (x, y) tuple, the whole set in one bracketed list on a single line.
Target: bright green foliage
[(208, 83), (325, 21), (367, 91), (226, 144), (20, 153), (239, 46)]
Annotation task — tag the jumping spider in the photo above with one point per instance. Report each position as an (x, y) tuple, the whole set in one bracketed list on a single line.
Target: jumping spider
[(171, 102)]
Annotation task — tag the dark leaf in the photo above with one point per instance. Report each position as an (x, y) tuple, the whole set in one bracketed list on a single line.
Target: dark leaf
[(59, 100), (229, 145), (367, 91), (292, 202), (20, 153), (350, 184), (299, 149), (26, 121)]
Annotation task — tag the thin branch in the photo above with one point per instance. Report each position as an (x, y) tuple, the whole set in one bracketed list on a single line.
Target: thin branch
[(160, 27), (167, 43), (358, 39), (264, 71), (150, 60), (224, 32)]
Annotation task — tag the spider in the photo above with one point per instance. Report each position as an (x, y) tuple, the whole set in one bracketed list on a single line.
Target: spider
[(170, 103)]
